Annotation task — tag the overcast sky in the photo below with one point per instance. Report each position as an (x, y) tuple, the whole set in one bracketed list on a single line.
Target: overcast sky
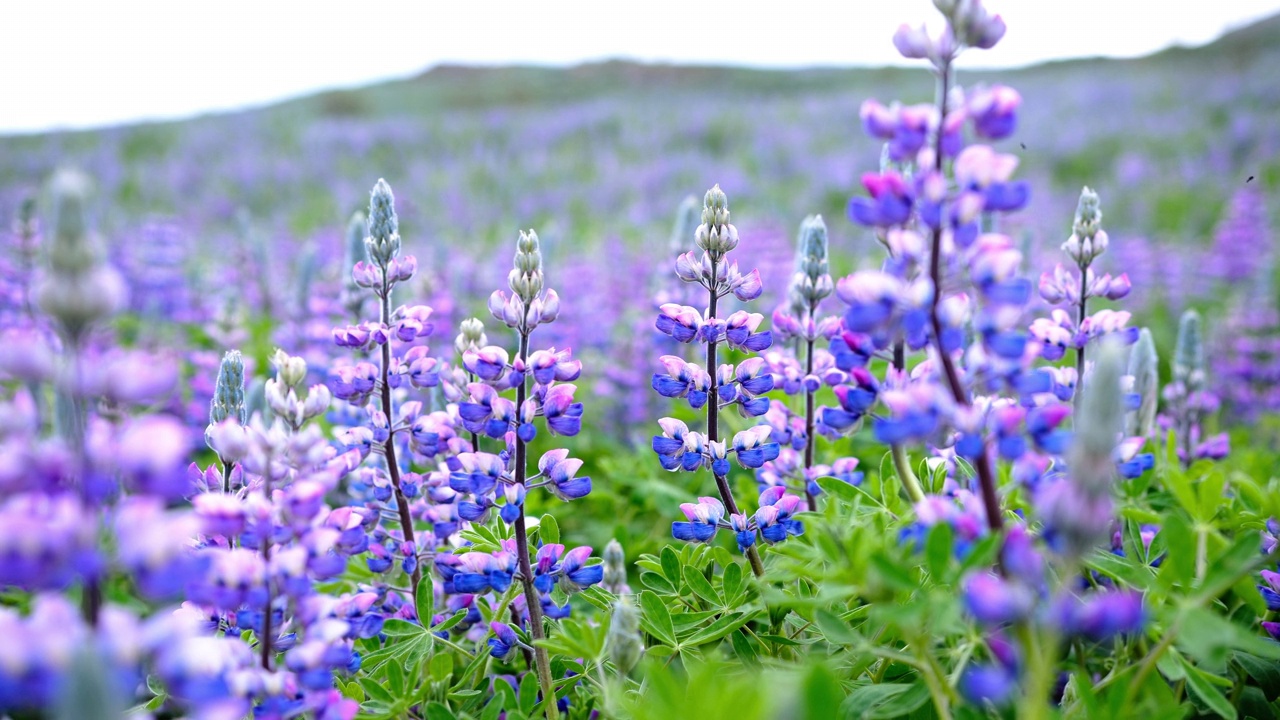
[(87, 63)]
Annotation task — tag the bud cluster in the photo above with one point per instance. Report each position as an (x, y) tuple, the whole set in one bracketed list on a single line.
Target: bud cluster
[(282, 391), (78, 287), (528, 305), (716, 236)]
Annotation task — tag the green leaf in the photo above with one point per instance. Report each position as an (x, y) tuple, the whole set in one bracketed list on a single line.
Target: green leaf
[(1265, 673), (1179, 565), (395, 627), (657, 582), (375, 691), (1209, 638), (732, 583), (441, 666), (671, 566), (656, 619), (1202, 687), (821, 693), (425, 601), (937, 550), (892, 573), (436, 711), (834, 629), (395, 679), (1235, 561), (742, 647), (549, 530), (718, 629), (528, 695), (449, 622), (1120, 568), (900, 705), (865, 702), (840, 489), (701, 587)]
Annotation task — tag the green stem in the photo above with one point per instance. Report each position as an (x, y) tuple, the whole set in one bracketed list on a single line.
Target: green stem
[(908, 477)]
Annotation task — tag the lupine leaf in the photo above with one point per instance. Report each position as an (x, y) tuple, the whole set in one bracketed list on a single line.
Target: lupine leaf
[(549, 530), (1202, 687), (701, 587), (671, 566), (718, 629), (656, 619), (1122, 569), (732, 583)]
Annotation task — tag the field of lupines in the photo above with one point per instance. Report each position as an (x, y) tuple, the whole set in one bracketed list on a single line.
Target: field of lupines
[(959, 449)]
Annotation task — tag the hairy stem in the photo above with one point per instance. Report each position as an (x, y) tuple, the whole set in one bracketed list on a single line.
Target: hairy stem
[(900, 461), (908, 477), (986, 474), (532, 600), (265, 540), (389, 447), (809, 419), (1084, 269), (713, 423)]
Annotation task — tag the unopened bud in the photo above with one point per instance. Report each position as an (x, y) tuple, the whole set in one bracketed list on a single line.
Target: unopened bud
[(290, 370), (1143, 367), (1188, 358), (687, 219), (228, 393), (383, 241), (623, 640), (615, 567), (470, 336)]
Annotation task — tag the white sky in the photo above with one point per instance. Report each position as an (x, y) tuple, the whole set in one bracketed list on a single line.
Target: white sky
[(79, 64)]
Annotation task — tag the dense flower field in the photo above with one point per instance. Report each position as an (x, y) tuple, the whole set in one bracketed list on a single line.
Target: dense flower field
[(960, 449)]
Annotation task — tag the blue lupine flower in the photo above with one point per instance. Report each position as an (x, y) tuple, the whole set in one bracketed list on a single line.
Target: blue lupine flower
[(988, 684), (560, 470), (704, 519), (992, 600), (504, 640)]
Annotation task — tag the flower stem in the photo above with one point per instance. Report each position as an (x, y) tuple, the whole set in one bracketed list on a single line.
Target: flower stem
[(1084, 269), (908, 477), (389, 447), (265, 539), (809, 414), (713, 422), (986, 474), (532, 600)]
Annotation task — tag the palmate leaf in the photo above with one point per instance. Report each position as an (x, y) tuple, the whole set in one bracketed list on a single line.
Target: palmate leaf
[(656, 619), (718, 629)]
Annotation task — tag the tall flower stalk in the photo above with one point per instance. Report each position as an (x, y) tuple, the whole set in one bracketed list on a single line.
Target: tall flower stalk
[(383, 271), (505, 477), (804, 371), (715, 387)]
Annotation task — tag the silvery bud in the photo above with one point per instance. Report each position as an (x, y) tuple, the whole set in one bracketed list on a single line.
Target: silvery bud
[(811, 259), (318, 400), (383, 240), (1088, 240), (615, 568), (77, 288), (290, 370), (715, 235), (354, 252), (1144, 369), (470, 336), (623, 640), (1188, 358), (687, 220), (1099, 421), (525, 278), (228, 393)]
